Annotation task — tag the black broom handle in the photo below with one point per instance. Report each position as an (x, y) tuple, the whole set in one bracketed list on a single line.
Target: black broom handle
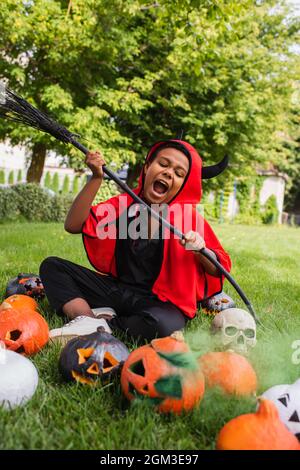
[(174, 230)]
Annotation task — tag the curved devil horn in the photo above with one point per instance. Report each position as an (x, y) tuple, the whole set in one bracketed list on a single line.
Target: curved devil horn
[(215, 170)]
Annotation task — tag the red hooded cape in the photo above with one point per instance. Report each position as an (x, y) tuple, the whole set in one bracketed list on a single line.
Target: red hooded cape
[(180, 280)]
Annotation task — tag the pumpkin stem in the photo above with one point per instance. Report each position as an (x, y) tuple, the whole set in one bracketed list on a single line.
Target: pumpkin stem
[(178, 335), (267, 409), (5, 306)]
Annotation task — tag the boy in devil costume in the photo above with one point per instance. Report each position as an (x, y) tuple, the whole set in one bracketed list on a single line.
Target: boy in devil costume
[(147, 286)]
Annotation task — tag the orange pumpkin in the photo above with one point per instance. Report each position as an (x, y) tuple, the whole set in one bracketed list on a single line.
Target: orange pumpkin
[(165, 373), (18, 301), (229, 371), (24, 331), (262, 430)]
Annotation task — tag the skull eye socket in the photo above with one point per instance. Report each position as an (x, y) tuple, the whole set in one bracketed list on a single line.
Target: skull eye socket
[(249, 333), (231, 330)]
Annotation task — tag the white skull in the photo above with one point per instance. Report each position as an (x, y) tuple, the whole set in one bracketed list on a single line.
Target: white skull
[(237, 329)]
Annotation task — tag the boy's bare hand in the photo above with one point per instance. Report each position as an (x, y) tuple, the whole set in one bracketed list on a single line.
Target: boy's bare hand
[(95, 161), (193, 241)]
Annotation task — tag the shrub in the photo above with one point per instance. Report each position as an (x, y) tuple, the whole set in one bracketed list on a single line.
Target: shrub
[(11, 177), (61, 206), (66, 185), (48, 180), (2, 177), (75, 186), (55, 183), (19, 177), (9, 204), (270, 211), (33, 203)]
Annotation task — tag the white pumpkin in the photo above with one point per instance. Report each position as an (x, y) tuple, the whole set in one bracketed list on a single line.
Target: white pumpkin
[(287, 400), (18, 379)]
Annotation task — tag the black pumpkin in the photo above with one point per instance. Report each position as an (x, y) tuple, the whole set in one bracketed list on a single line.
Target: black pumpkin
[(217, 303), (25, 284), (89, 357)]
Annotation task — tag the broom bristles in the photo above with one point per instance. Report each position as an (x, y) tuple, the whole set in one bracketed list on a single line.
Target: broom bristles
[(15, 108)]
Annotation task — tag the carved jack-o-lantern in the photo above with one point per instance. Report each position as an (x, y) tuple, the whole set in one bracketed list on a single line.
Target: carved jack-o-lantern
[(166, 374), (89, 357), (24, 331), (26, 284), (217, 304)]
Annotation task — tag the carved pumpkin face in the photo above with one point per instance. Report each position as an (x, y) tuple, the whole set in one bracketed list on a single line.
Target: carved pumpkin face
[(24, 331), (217, 304), (89, 357), (165, 373), (26, 284)]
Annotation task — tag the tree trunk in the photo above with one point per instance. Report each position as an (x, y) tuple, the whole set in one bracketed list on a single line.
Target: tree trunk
[(36, 167), (133, 174)]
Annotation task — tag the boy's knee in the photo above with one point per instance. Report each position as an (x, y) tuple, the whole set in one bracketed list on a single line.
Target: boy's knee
[(48, 264), (165, 328)]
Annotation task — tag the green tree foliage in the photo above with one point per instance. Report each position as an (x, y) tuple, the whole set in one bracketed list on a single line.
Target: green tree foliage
[(126, 73), (55, 183), (19, 177), (291, 166), (66, 185), (2, 177), (11, 177)]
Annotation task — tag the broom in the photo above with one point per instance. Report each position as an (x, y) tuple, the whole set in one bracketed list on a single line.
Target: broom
[(15, 108)]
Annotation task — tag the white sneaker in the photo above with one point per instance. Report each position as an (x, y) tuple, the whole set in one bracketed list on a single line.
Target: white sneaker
[(104, 312), (81, 325)]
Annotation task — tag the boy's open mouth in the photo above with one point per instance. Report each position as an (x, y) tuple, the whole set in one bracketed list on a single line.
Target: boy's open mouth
[(160, 187)]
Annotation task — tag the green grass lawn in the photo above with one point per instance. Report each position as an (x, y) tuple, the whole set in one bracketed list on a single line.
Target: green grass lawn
[(266, 264)]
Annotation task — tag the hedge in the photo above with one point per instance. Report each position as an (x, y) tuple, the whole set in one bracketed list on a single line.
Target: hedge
[(34, 203)]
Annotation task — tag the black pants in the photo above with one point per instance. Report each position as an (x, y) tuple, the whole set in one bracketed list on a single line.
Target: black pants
[(142, 316)]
